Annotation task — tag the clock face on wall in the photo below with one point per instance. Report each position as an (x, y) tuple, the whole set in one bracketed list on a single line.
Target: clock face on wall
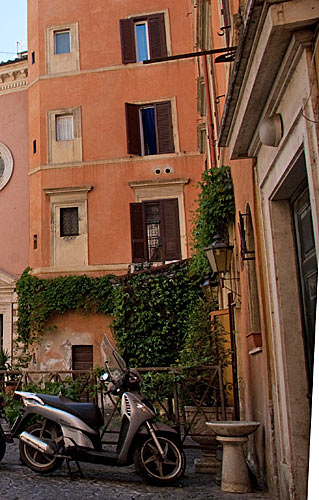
[(6, 165)]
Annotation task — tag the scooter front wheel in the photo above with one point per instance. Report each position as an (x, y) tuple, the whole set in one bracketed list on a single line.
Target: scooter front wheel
[(156, 469), (34, 459)]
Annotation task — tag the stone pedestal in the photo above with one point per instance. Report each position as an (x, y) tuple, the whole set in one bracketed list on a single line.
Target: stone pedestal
[(233, 435), (235, 475)]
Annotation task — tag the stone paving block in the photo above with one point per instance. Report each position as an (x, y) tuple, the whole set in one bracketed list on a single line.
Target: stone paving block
[(17, 482)]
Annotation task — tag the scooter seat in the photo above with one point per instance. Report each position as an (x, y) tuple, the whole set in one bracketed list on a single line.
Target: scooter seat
[(88, 412)]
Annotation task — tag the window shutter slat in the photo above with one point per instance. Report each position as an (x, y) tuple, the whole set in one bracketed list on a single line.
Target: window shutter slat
[(172, 242), (164, 127), (133, 129), (82, 357), (127, 41), (157, 36), (138, 237)]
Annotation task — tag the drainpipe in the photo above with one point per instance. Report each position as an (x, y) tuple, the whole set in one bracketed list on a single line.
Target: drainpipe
[(211, 141)]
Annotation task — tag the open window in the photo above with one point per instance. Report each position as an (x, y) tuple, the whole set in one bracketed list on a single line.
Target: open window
[(143, 38), (149, 128), (155, 231)]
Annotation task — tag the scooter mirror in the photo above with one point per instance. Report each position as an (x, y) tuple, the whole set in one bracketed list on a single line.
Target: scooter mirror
[(104, 377)]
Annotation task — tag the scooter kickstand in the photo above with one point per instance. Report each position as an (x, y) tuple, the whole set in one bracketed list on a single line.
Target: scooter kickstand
[(73, 473)]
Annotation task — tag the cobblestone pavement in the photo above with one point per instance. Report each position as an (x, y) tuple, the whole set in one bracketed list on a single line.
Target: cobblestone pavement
[(17, 482)]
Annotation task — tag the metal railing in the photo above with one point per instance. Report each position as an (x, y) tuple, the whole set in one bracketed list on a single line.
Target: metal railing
[(181, 396)]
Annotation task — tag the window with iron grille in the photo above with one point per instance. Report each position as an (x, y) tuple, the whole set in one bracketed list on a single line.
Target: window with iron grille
[(155, 231), (69, 221)]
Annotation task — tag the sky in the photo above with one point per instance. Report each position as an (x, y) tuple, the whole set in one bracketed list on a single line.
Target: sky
[(13, 28)]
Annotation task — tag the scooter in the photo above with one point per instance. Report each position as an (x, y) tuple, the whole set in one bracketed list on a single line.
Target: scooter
[(71, 430)]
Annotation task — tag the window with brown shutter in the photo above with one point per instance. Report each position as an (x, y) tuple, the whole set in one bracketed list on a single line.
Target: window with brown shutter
[(155, 231), (149, 128), (143, 38), (138, 236), (82, 357), (227, 21)]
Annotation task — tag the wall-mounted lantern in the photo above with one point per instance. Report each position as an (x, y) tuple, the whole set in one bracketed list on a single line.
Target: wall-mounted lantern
[(219, 254)]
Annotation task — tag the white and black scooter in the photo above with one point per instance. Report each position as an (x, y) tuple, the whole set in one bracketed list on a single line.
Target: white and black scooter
[(70, 430)]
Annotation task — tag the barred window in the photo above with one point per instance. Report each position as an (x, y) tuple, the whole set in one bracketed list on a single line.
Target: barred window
[(155, 231), (69, 221)]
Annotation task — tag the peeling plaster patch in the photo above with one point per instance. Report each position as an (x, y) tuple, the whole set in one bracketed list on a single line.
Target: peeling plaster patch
[(53, 364), (47, 346)]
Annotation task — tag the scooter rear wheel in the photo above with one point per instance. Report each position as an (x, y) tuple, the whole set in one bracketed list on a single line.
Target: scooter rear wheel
[(35, 460), (153, 468)]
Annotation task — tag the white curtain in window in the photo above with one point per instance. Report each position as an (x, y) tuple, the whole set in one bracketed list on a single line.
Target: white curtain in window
[(64, 128)]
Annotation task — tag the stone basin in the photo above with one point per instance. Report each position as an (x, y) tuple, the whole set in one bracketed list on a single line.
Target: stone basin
[(233, 428)]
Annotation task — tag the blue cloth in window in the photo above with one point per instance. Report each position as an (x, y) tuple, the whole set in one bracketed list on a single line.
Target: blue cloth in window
[(141, 42), (149, 131)]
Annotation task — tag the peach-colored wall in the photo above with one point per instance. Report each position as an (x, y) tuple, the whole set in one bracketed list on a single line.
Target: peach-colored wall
[(14, 197), (99, 26), (54, 351), (101, 89)]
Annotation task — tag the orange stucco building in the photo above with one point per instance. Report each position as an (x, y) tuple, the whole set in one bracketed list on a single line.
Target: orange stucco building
[(262, 121), (108, 147), (127, 135)]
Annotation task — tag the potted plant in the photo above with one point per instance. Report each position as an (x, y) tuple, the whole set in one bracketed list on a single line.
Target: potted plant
[(7, 381)]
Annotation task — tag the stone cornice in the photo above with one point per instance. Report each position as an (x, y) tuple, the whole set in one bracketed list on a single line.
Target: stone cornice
[(158, 182), (14, 76)]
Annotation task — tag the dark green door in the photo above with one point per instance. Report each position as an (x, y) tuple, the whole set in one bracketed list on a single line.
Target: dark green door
[(307, 264)]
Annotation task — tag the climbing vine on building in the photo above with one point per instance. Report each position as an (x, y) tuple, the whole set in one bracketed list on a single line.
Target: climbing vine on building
[(151, 312), (150, 308), (38, 299), (216, 209)]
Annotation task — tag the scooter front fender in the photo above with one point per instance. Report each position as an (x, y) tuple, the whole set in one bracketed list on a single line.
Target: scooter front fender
[(161, 427)]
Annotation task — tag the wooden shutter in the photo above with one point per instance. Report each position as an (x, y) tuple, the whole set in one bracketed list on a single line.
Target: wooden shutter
[(164, 126), (127, 41), (170, 226), (82, 357), (138, 236), (227, 20), (157, 36), (133, 129)]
